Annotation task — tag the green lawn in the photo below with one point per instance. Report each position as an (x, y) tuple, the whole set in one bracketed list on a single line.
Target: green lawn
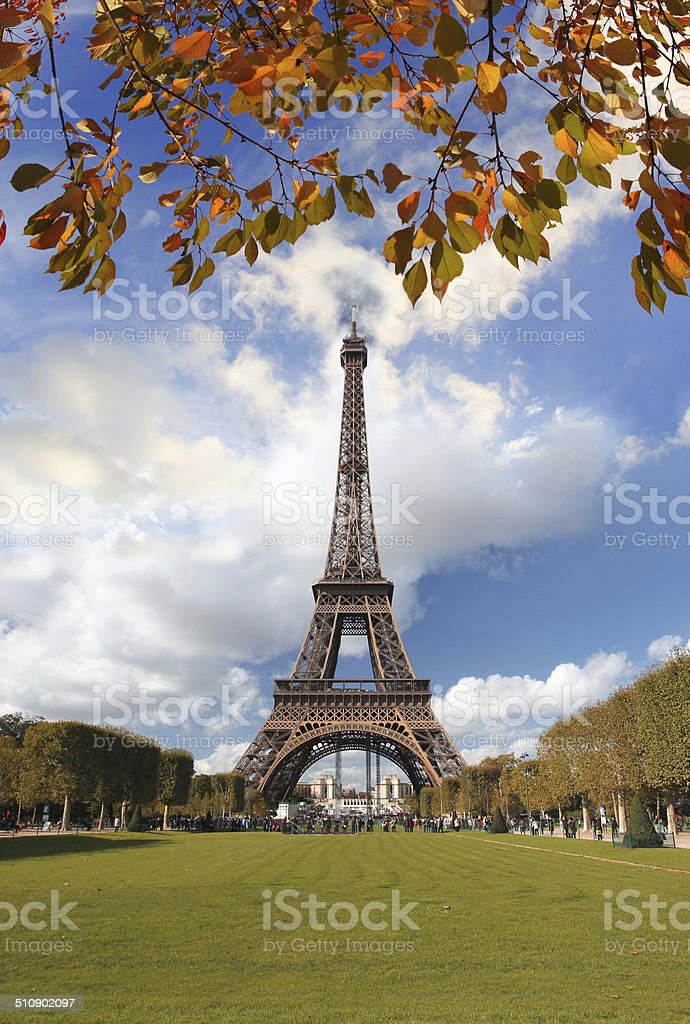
[(170, 928)]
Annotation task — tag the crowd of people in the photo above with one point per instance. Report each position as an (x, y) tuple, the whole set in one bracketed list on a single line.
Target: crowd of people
[(569, 826)]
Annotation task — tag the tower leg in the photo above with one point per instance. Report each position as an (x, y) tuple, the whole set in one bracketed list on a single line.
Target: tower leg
[(367, 784)]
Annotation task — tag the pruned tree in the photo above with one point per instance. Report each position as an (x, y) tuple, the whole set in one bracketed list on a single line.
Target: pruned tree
[(663, 699), (174, 780), (231, 786), (61, 763)]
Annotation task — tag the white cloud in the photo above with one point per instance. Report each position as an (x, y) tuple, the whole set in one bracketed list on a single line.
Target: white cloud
[(506, 714), (660, 648)]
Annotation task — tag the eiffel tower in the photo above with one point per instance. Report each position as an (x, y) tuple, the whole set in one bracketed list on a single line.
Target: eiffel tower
[(314, 714)]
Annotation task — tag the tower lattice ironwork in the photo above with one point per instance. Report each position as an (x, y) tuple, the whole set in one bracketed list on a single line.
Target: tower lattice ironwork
[(315, 714)]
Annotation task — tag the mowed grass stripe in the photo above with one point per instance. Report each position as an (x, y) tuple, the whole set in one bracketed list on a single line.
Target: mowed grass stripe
[(171, 929)]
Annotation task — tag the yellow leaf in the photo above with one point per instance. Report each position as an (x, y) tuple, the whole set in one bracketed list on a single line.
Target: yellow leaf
[(306, 192), (142, 103), (597, 149), (488, 77), (566, 143), (430, 230)]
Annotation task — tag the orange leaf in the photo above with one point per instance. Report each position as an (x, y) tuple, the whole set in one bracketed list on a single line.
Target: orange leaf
[(142, 103), (262, 193), (372, 58), (407, 207), (217, 205), (306, 192), (193, 47)]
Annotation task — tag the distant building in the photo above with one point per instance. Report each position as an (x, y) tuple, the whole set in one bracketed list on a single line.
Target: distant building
[(392, 788), (386, 797)]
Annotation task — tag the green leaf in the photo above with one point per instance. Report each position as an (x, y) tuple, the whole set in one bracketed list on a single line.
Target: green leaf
[(445, 262), (230, 243), (182, 270), (649, 229), (151, 172), (415, 281), (552, 193), (30, 176), (463, 237), (566, 170), (450, 37)]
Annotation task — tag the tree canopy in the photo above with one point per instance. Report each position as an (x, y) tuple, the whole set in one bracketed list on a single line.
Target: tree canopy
[(606, 81)]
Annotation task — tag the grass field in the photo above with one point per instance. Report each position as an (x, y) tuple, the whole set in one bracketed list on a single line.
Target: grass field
[(170, 928)]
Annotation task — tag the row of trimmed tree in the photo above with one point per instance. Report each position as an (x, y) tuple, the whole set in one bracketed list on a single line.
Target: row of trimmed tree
[(68, 762), (637, 741)]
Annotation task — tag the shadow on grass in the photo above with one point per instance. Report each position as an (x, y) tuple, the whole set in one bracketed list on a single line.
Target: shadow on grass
[(20, 848)]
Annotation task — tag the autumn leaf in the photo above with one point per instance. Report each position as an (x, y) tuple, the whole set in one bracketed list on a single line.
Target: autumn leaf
[(407, 207), (430, 230), (565, 142), (333, 61), (372, 58), (306, 193), (397, 249), (488, 77), (193, 47), (393, 176), (415, 281), (597, 149), (450, 38), (262, 193)]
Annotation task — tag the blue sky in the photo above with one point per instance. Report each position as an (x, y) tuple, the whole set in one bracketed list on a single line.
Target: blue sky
[(175, 580)]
